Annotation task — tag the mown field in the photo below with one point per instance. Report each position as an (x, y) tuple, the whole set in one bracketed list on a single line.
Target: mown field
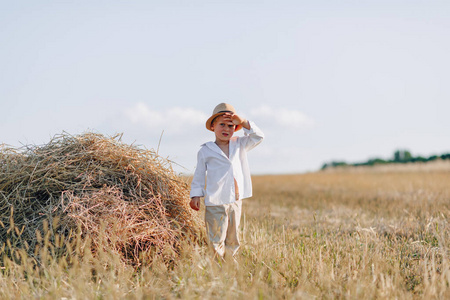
[(327, 235)]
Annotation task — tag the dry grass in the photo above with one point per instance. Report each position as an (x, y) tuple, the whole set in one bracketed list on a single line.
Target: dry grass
[(339, 235), (120, 196), (377, 234)]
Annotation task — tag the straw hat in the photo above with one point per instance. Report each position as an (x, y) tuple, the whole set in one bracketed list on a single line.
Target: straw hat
[(219, 110)]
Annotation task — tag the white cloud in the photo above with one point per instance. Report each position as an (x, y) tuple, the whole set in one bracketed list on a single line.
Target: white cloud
[(284, 117), (171, 120)]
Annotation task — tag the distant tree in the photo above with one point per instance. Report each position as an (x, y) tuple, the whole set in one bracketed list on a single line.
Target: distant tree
[(407, 156), (445, 156), (397, 157), (402, 156), (334, 164), (433, 157), (419, 159), (376, 161)]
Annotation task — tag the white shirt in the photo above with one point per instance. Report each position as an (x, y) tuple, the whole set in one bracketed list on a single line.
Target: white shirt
[(215, 173)]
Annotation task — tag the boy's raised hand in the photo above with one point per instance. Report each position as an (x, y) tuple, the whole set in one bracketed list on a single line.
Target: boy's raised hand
[(236, 120)]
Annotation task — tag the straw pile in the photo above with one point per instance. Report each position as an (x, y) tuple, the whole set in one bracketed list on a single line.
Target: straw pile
[(111, 191)]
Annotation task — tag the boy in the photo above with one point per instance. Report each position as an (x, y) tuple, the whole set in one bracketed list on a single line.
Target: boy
[(224, 166)]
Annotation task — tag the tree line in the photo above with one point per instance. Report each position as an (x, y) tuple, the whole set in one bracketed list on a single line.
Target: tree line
[(400, 157)]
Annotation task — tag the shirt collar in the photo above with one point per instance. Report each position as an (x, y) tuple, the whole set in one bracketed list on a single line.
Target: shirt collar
[(213, 146)]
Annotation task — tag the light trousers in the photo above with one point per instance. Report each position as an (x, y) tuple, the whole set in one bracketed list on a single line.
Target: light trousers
[(222, 227)]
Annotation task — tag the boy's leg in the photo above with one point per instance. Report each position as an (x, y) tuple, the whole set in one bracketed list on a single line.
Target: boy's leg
[(234, 218), (216, 227)]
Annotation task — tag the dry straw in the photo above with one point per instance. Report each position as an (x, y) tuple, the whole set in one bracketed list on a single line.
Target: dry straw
[(116, 194)]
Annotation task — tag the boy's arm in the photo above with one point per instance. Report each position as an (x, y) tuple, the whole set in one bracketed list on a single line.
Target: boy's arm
[(198, 182), (253, 135)]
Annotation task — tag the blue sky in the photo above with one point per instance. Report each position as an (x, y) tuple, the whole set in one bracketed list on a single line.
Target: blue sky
[(325, 80)]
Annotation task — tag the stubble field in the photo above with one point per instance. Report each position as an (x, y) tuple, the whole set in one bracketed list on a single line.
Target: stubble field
[(368, 234)]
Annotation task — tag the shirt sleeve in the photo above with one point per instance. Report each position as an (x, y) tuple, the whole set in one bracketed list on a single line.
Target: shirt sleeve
[(198, 181), (252, 137)]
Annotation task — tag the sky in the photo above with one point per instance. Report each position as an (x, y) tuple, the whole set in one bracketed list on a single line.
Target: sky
[(324, 80)]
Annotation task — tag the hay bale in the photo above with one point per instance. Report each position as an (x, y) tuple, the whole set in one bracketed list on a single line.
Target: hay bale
[(88, 180)]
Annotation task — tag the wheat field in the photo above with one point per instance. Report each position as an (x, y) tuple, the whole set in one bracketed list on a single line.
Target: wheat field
[(342, 234)]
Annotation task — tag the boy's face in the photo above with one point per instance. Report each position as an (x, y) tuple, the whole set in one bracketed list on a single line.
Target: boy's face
[(224, 130)]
